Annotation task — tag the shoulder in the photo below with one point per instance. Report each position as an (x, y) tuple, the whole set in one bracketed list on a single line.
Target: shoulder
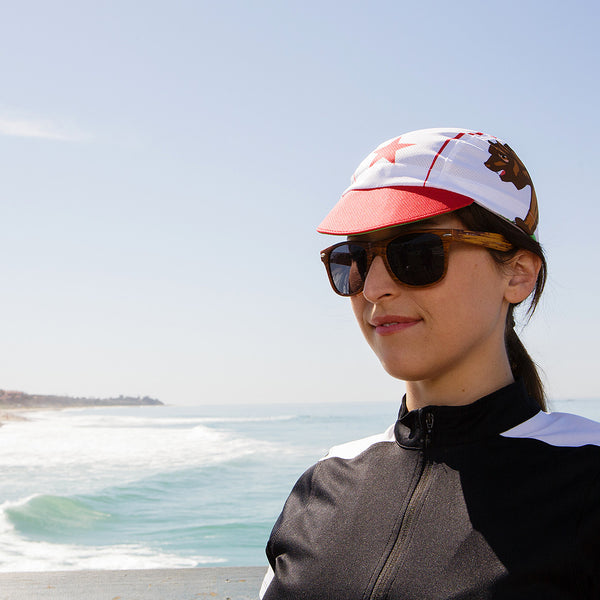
[(304, 486), (352, 449), (558, 429)]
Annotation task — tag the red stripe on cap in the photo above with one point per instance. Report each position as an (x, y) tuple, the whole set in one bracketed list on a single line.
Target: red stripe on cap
[(439, 152)]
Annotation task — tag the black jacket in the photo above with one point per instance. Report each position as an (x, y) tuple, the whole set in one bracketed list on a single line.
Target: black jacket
[(495, 499)]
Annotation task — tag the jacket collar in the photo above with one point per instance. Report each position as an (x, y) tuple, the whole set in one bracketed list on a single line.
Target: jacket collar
[(435, 426)]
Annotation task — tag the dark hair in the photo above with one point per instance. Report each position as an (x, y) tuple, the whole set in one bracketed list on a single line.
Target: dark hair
[(476, 218)]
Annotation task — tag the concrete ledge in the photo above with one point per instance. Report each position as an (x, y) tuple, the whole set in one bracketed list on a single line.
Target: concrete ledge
[(219, 583)]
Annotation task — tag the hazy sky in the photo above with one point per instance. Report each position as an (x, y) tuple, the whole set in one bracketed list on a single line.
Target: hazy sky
[(165, 164)]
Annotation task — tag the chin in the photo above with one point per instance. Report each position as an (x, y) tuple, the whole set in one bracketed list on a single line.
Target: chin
[(402, 372)]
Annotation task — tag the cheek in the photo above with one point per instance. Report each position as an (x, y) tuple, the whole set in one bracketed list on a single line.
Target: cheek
[(359, 308), (474, 294)]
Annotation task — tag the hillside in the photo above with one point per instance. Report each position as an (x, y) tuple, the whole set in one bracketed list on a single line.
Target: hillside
[(13, 399)]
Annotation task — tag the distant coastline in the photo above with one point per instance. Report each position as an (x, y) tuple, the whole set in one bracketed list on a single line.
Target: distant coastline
[(14, 400)]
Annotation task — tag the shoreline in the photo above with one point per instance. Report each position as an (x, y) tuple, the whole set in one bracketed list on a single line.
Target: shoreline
[(13, 415), (218, 583), (13, 402)]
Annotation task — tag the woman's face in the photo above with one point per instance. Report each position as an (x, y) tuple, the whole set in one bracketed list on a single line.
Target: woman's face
[(450, 331)]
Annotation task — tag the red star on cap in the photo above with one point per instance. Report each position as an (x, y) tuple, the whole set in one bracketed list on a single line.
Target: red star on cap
[(389, 151)]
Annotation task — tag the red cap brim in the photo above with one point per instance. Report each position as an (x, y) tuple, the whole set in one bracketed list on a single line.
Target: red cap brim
[(359, 211)]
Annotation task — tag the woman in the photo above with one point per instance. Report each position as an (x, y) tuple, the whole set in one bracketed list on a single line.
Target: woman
[(475, 492)]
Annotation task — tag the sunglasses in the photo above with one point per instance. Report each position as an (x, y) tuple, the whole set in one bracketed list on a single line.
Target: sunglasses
[(417, 258)]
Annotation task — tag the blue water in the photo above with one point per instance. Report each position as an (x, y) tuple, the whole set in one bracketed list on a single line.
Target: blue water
[(154, 487)]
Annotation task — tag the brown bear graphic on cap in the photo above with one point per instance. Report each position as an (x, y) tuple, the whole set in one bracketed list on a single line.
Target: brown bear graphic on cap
[(508, 165)]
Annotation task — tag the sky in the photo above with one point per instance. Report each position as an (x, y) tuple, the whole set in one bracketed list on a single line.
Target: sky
[(165, 165)]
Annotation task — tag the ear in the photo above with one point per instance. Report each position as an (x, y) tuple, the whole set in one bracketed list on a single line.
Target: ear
[(522, 272)]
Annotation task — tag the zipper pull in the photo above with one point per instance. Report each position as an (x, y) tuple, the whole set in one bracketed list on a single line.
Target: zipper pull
[(428, 428)]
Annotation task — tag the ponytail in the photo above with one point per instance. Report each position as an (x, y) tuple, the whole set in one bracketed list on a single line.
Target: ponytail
[(522, 365)]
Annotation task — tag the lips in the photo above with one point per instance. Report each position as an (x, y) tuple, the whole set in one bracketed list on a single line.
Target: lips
[(390, 324)]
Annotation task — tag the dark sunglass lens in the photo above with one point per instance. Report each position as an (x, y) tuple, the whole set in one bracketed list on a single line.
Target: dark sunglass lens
[(348, 267), (417, 259)]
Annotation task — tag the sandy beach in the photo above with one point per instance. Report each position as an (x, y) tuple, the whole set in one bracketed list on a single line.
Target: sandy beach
[(10, 414), (219, 583)]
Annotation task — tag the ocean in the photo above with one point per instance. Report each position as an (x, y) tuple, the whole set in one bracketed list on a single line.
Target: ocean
[(165, 486)]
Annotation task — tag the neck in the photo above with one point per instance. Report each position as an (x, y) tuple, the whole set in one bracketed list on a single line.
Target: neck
[(458, 389)]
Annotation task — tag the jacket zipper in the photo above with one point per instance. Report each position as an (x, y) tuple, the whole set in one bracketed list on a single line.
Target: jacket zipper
[(387, 572)]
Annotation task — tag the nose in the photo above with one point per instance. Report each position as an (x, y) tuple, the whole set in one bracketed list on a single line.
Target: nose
[(378, 282)]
